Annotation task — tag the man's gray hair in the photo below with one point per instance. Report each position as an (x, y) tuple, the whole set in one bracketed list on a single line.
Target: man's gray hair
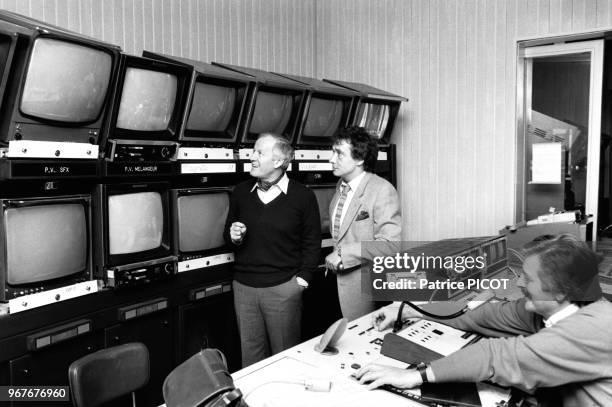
[(282, 147)]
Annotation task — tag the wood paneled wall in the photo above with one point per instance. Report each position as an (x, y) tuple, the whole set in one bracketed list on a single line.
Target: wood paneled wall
[(456, 62), (454, 59), (275, 35)]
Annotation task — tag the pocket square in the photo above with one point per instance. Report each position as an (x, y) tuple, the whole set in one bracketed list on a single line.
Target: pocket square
[(363, 215)]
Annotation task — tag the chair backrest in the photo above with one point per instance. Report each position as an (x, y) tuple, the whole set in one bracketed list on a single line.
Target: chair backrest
[(108, 373)]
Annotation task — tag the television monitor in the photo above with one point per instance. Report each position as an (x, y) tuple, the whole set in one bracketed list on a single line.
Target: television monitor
[(275, 105), (199, 216), (55, 84), (46, 244), (374, 117), (133, 223), (216, 104), (376, 109), (149, 100), (328, 108), (324, 195)]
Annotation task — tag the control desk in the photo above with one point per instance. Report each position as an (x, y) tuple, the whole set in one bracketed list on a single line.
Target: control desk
[(301, 376)]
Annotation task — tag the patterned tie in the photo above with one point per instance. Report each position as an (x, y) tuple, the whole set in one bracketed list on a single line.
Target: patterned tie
[(344, 189), (266, 185)]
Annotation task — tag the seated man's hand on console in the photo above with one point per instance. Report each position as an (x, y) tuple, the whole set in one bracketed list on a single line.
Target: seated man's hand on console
[(385, 317), (377, 375)]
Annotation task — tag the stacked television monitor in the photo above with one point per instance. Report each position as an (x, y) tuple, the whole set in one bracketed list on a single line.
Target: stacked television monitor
[(376, 109), (133, 233), (198, 215), (45, 246), (146, 116), (217, 102), (55, 86), (328, 108), (276, 105)]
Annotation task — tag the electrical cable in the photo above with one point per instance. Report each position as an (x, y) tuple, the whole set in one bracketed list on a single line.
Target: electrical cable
[(269, 382), (309, 384), (399, 323)]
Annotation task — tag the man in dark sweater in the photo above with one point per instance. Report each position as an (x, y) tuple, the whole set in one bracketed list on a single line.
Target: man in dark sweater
[(274, 226)]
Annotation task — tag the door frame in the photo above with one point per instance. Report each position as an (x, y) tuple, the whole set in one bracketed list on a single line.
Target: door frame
[(525, 53)]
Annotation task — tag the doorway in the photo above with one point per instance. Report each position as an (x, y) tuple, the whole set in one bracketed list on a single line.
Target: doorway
[(559, 129)]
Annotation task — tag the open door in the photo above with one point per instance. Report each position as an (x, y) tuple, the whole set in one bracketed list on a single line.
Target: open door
[(559, 97)]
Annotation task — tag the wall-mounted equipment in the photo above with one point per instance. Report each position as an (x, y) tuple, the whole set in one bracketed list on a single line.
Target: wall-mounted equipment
[(148, 106)]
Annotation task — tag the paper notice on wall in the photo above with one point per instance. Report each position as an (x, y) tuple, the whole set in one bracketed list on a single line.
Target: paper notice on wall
[(546, 163)]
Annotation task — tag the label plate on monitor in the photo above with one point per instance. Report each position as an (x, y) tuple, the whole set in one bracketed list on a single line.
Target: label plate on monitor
[(208, 168), (51, 149), (31, 301), (15, 169), (203, 153), (203, 262), (315, 167), (138, 168)]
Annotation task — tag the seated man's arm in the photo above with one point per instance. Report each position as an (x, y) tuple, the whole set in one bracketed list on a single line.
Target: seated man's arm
[(565, 353), (497, 319)]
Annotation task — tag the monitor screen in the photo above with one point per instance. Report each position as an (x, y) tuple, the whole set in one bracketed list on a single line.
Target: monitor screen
[(272, 113), (212, 107), (374, 118), (201, 220), (324, 197), (44, 242), (65, 82), (147, 100), (135, 222), (323, 118)]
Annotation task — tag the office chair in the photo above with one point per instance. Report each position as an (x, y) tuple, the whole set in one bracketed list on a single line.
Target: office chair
[(109, 373), (202, 381)]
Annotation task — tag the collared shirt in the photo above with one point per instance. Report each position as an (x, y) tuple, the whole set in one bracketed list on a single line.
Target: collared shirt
[(274, 191), (353, 184), (559, 315)]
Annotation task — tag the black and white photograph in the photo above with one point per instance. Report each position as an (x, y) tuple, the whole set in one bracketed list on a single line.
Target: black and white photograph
[(305, 203)]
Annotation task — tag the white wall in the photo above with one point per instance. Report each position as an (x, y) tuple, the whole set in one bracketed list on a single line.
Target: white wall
[(456, 62), (276, 35)]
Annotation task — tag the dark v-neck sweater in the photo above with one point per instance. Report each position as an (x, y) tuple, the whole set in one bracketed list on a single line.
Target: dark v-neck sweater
[(283, 237)]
